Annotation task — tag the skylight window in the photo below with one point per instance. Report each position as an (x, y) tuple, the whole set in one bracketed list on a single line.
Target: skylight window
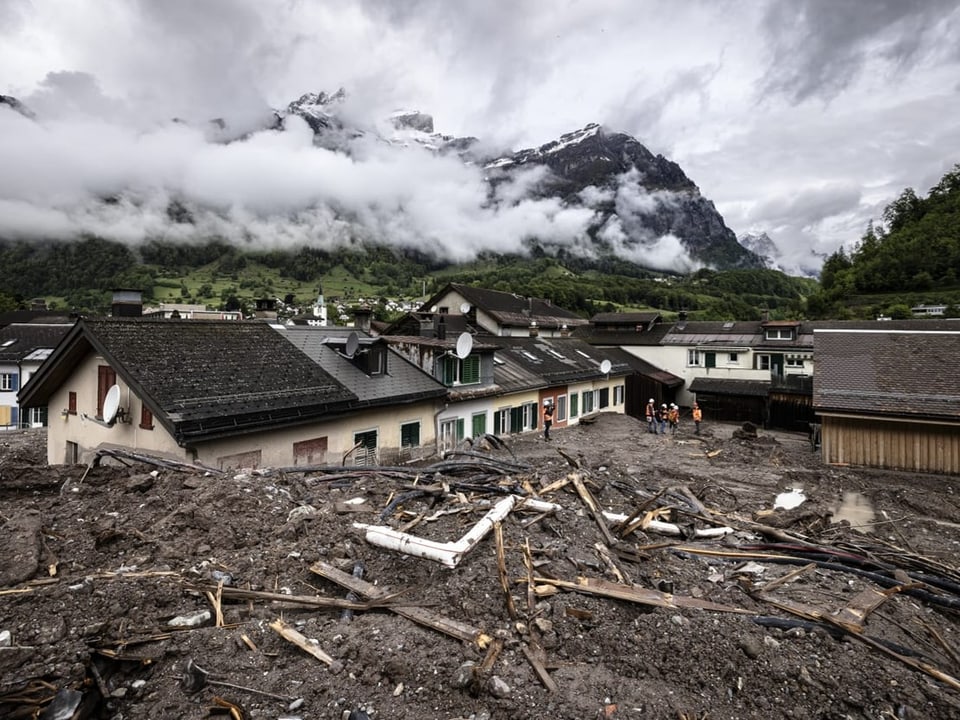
[(8, 343), (581, 352), (555, 354), (529, 355)]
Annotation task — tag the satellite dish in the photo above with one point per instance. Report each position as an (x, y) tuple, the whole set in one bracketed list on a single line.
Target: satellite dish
[(464, 308), (353, 344), (605, 367), (111, 404), (433, 309), (464, 345)]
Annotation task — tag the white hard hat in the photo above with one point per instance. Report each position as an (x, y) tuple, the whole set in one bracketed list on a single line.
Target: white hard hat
[(650, 400)]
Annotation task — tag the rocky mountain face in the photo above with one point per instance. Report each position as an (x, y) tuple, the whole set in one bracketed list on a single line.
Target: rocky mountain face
[(635, 198), (760, 244), (590, 158), (650, 195), (764, 247)]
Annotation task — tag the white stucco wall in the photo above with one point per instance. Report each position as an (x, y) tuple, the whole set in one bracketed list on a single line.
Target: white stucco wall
[(275, 448)]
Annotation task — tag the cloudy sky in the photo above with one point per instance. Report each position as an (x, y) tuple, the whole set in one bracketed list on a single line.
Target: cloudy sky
[(800, 118)]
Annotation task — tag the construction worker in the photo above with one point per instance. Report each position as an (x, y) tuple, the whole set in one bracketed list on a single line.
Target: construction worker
[(662, 416), (697, 418), (651, 414), (547, 419), (673, 417)]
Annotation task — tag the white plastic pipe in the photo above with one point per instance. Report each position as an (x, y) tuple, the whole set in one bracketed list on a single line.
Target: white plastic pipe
[(665, 528), (450, 553)]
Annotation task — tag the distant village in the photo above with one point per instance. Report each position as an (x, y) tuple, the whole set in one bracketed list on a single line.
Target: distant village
[(290, 388)]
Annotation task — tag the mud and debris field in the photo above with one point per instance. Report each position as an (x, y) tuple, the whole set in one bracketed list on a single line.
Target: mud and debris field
[(655, 578)]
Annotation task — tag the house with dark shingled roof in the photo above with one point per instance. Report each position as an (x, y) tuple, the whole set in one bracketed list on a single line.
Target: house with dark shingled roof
[(23, 348), (222, 393), (502, 313), (889, 398)]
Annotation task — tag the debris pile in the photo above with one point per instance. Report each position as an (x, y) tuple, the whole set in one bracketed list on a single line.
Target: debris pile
[(607, 574)]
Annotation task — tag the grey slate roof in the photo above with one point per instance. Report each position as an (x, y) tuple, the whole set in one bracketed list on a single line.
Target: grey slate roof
[(19, 341), (201, 380), (559, 361), (724, 386), (888, 372), (620, 336), (402, 383), (642, 367), (715, 333)]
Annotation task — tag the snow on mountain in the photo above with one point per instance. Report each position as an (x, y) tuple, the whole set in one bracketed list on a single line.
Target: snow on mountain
[(803, 264), (338, 179)]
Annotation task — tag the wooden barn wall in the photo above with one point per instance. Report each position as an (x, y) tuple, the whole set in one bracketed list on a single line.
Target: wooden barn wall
[(733, 408), (790, 411), (640, 388), (918, 447)]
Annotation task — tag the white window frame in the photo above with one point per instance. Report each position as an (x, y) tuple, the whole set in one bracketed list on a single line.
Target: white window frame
[(778, 334), (618, 394), (793, 362), (733, 358), (530, 411), (764, 362), (561, 410), (694, 358), (6, 381)]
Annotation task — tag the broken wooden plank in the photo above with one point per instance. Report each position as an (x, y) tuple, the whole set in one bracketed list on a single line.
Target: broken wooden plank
[(440, 623), (777, 582), (591, 503), (643, 596), (310, 600), (539, 669), (502, 570), (308, 646)]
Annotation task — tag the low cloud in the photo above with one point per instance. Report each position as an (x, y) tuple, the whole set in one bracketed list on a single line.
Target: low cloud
[(275, 188)]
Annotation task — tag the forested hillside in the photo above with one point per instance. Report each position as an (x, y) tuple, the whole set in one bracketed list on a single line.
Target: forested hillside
[(79, 276), (912, 257)]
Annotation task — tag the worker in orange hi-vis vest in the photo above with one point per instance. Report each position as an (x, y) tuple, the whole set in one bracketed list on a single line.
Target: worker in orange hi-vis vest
[(652, 416), (547, 419), (697, 418)]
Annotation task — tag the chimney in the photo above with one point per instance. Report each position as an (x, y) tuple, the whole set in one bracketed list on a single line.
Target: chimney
[(362, 316), (682, 316), (126, 303), (534, 330)]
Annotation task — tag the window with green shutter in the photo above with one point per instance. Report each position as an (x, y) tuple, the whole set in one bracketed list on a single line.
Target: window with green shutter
[(479, 424), (470, 370), (410, 435)]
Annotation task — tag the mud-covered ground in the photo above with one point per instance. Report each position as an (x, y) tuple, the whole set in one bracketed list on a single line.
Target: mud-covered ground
[(794, 613)]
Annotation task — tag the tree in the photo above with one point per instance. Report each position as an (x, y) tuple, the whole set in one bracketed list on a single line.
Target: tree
[(905, 210)]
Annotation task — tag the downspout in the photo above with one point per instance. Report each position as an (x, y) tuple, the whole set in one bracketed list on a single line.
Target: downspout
[(436, 427)]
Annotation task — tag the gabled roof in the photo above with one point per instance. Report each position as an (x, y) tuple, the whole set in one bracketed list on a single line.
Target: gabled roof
[(641, 335), (725, 386), (718, 333), (403, 382), (642, 367), (34, 317), (200, 380), (896, 372), (508, 309), (20, 341), (625, 318), (559, 361)]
